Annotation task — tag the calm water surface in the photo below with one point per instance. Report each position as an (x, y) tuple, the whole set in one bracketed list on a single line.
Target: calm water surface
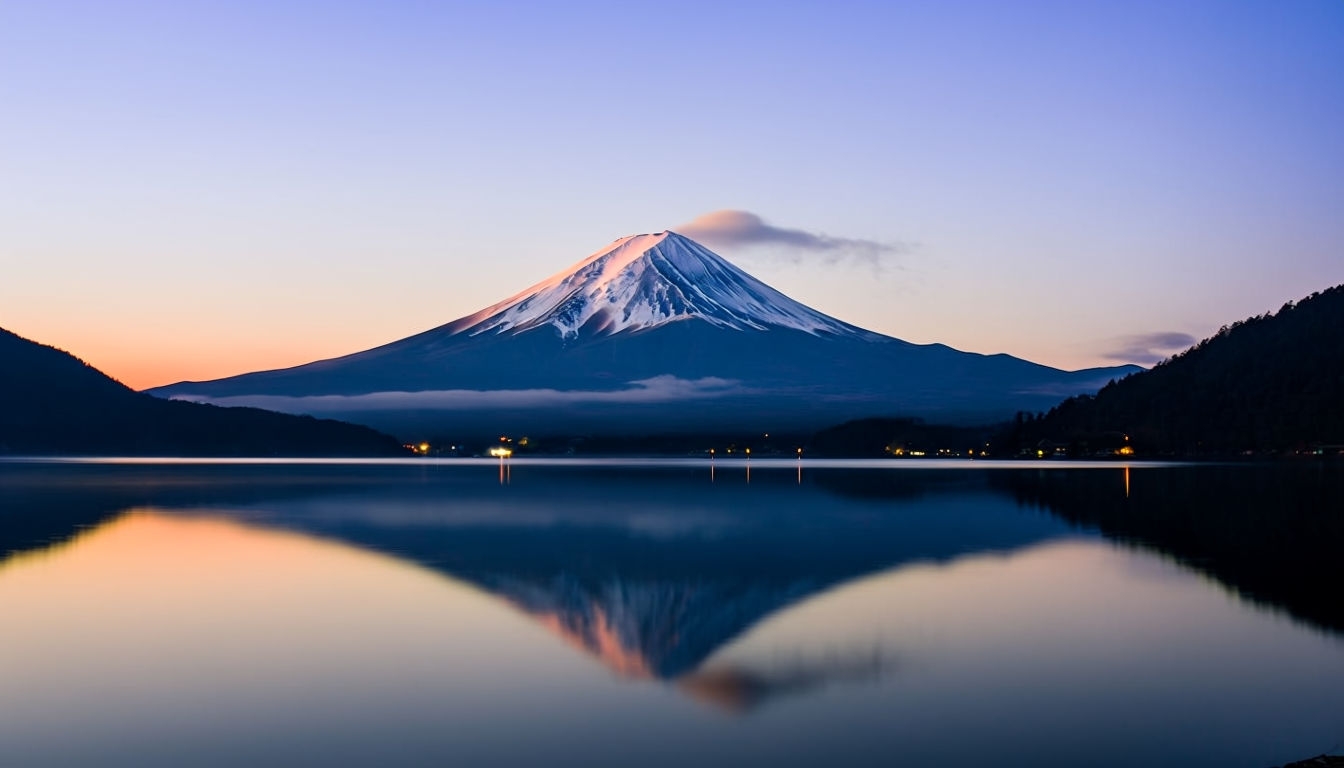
[(669, 614)]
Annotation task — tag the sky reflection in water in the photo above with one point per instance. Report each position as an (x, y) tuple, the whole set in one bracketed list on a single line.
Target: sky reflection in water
[(604, 615)]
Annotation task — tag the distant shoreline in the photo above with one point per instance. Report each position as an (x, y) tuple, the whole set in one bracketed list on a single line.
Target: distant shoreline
[(632, 460)]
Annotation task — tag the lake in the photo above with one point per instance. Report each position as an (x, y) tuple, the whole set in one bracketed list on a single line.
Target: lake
[(670, 613)]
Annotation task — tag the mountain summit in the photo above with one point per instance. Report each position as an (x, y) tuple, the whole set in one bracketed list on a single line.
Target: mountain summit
[(644, 281), (652, 333)]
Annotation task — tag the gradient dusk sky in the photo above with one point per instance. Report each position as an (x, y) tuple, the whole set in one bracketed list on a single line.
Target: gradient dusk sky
[(195, 189)]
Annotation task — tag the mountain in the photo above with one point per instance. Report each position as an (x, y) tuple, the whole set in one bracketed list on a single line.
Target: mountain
[(53, 403), (1268, 384), (651, 333)]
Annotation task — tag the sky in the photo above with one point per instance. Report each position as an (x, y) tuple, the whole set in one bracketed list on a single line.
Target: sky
[(191, 190)]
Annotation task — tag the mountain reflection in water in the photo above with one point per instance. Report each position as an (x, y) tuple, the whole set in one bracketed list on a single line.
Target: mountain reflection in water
[(428, 614), (654, 570)]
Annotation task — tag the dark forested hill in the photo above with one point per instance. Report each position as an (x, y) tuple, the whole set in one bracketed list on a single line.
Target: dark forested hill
[(1268, 384), (54, 403)]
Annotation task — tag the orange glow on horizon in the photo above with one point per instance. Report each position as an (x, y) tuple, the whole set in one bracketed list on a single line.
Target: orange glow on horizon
[(145, 368), (153, 353), (144, 372)]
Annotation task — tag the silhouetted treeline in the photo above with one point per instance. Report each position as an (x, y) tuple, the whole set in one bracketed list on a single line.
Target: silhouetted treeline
[(872, 438), (634, 444), (1268, 384), (896, 437), (53, 403)]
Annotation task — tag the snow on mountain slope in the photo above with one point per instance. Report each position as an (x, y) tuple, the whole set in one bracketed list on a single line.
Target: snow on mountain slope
[(644, 281)]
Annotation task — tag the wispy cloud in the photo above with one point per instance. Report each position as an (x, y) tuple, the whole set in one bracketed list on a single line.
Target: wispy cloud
[(1148, 348), (659, 389), (741, 228)]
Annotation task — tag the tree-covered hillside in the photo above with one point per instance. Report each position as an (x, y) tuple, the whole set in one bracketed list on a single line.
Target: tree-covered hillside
[(53, 403), (1269, 384)]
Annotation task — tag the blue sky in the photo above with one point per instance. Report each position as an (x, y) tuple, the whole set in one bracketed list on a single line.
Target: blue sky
[(190, 190)]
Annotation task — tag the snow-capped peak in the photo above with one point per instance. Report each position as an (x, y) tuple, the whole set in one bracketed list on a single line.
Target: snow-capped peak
[(643, 281)]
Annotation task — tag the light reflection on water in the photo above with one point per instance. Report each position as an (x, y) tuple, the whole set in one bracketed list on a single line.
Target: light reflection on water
[(650, 613)]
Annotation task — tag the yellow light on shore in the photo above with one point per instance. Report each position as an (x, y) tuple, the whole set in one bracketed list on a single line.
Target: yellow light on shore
[(501, 452)]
